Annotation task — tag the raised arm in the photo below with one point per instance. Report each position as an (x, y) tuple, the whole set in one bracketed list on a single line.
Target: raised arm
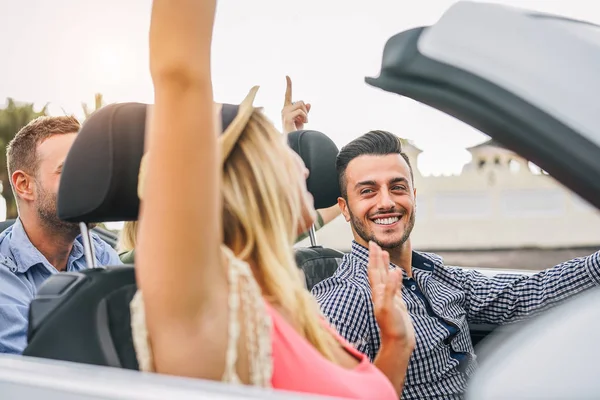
[(178, 259), (330, 213), (511, 297)]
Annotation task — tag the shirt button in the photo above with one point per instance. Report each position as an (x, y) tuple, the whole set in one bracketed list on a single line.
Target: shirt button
[(413, 287)]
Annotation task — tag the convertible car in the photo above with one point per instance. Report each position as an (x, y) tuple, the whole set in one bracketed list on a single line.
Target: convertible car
[(528, 80)]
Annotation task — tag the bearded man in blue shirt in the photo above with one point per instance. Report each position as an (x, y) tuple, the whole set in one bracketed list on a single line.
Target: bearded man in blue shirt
[(378, 199), (38, 244)]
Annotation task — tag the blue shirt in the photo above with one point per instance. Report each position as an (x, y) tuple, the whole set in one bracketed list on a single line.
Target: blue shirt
[(442, 301), (22, 270)]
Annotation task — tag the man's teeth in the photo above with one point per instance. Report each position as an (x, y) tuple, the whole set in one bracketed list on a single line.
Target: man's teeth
[(386, 221)]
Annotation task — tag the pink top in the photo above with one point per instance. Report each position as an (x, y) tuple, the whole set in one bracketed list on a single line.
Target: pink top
[(299, 367)]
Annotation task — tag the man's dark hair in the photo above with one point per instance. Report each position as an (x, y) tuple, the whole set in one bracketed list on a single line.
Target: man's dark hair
[(371, 143)]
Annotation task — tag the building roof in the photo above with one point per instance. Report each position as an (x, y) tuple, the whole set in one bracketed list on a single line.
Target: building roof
[(487, 143), (406, 144)]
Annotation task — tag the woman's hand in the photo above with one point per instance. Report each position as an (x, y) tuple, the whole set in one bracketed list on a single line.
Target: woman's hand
[(183, 315)]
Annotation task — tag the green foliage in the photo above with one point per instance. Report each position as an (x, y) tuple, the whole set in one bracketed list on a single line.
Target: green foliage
[(98, 104)]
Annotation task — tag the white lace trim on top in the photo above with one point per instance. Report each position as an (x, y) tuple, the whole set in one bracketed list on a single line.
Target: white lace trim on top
[(245, 294)]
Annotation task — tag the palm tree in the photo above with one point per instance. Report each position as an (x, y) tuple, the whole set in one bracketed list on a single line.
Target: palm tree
[(12, 118), (98, 104)]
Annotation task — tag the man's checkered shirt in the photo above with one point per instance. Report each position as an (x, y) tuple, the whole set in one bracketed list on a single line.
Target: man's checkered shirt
[(442, 301)]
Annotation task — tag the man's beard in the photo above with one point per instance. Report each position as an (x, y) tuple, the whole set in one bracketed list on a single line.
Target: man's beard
[(368, 235), (47, 213)]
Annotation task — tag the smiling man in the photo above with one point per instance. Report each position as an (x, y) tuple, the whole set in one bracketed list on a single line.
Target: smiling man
[(379, 201), (38, 244)]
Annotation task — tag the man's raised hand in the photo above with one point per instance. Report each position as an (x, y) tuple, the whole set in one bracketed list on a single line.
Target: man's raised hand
[(294, 114)]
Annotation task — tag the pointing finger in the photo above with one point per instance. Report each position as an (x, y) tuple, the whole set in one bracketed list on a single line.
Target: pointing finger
[(288, 91)]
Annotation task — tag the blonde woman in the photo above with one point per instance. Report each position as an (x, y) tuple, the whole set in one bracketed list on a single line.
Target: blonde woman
[(293, 116), (222, 299)]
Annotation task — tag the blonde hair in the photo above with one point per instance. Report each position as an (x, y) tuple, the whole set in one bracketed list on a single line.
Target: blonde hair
[(261, 217), (262, 214), (128, 236)]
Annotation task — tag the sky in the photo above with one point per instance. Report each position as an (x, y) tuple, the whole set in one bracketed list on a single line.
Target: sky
[(61, 52)]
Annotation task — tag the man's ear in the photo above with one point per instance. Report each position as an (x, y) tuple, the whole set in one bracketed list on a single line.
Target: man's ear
[(344, 207), (23, 185)]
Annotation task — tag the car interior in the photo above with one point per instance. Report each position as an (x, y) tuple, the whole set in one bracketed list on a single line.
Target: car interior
[(84, 316)]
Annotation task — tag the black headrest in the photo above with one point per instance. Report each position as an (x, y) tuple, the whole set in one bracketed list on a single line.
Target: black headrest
[(100, 175), (319, 153)]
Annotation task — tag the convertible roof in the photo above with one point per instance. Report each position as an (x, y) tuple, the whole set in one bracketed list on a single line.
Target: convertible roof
[(549, 61), (528, 80)]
